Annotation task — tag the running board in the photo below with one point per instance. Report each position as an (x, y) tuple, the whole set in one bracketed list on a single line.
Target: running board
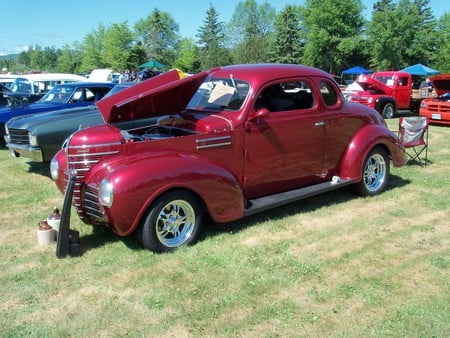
[(269, 202)]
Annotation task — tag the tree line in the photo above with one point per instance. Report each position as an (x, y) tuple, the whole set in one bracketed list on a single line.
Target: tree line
[(327, 34)]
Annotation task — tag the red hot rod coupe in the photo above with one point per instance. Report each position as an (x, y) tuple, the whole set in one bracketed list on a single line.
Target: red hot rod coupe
[(231, 141)]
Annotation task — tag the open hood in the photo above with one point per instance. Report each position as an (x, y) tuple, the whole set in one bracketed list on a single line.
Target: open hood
[(441, 83), (368, 82), (160, 95)]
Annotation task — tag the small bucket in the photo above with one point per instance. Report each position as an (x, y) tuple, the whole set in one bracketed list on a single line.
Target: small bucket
[(45, 237), (45, 233)]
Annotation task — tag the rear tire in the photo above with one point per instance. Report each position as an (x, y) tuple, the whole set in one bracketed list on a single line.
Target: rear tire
[(174, 219), (375, 174)]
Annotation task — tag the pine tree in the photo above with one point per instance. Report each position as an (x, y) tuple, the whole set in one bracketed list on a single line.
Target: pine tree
[(286, 46), (211, 41)]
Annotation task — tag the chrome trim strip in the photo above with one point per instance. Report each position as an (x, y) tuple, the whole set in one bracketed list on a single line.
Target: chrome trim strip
[(94, 154), (214, 145), (211, 142), (95, 145), (212, 139)]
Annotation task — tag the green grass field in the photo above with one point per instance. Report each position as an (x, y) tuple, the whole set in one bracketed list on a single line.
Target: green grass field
[(333, 265)]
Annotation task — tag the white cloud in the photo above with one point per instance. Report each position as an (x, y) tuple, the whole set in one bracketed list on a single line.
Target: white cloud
[(14, 50)]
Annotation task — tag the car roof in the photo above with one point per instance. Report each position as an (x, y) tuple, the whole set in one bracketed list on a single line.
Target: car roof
[(266, 72)]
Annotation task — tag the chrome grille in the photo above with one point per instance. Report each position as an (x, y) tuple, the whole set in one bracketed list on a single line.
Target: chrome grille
[(81, 163), (90, 202), (18, 136)]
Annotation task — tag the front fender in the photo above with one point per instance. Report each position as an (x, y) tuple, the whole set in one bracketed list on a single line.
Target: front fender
[(366, 139), (382, 101), (138, 181)]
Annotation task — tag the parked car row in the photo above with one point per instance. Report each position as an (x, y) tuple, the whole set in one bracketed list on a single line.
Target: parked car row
[(29, 88), (38, 130), (40, 136), (61, 96)]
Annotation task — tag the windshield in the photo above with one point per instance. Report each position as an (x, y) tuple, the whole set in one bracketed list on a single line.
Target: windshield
[(220, 94), (119, 87), (58, 94), (387, 80), (20, 85)]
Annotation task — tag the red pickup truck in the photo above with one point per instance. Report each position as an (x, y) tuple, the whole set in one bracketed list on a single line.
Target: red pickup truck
[(230, 142), (388, 92)]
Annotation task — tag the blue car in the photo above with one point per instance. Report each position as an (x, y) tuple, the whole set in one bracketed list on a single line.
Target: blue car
[(68, 95)]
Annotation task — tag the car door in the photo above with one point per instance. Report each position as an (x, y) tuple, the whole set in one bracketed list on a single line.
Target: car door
[(340, 127), (284, 147)]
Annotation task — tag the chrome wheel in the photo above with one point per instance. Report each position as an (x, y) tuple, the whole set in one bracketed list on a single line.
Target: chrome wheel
[(175, 223), (374, 173), (174, 219)]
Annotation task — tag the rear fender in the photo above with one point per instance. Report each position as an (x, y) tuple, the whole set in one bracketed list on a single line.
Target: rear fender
[(138, 181), (363, 142)]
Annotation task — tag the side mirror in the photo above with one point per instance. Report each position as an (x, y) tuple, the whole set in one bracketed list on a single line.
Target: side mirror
[(260, 113)]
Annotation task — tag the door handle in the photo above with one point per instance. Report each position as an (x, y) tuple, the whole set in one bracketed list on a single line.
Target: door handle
[(320, 124)]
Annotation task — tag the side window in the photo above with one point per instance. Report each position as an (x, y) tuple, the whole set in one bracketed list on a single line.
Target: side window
[(78, 95), (286, 96), (403, 81), (328, 93)]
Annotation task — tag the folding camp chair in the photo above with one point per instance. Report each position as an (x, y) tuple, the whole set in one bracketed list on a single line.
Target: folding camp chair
[(413, 134)]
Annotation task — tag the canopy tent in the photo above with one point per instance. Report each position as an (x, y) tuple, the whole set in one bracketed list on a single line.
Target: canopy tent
[(420, 69), (356, 71), (153, 64), (349, 75)]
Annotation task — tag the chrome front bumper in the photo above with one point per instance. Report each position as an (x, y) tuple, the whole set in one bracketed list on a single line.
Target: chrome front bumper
[(35, 153)]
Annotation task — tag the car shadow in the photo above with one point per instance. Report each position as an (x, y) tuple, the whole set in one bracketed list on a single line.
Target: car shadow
[(40, 168), (102, 236), (310, 204)]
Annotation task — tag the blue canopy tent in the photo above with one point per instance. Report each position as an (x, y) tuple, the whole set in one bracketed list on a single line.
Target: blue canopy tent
[(421, 70), (356, 71), (353, 72)]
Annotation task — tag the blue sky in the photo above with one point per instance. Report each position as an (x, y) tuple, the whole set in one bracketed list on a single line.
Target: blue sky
[(50, 23)]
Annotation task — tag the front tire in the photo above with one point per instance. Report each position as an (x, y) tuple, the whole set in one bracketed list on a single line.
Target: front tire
[(375, 174), (388, 111), (173, 220)]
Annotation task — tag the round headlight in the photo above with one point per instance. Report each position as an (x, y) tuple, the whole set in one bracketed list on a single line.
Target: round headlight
[(54, 169), (106, 192)]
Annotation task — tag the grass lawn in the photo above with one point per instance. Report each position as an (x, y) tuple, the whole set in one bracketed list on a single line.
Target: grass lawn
[(332, 265)]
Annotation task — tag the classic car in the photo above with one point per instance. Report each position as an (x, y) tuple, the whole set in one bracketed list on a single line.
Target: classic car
[(68, 95), (230, 142), (40, 136), (438, 109), (31, 87)]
